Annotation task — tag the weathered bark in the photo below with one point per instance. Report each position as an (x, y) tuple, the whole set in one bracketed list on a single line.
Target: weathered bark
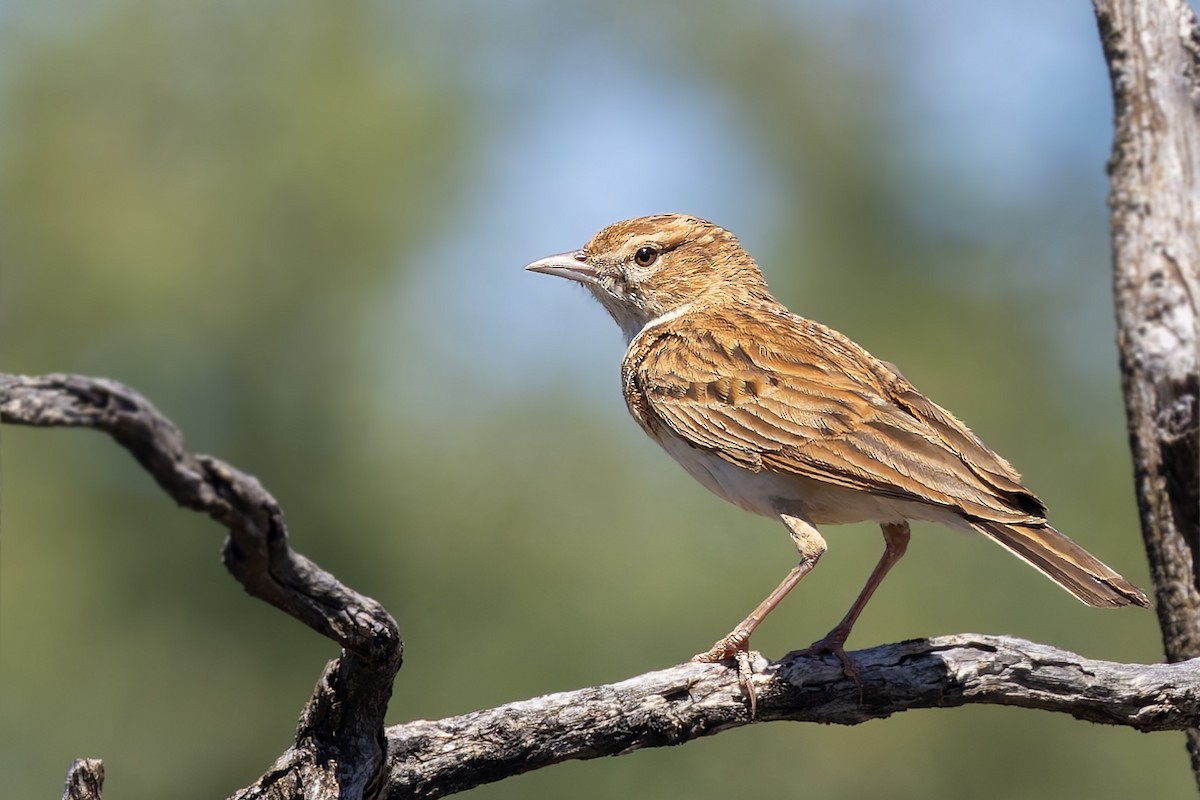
[(85, 779), (1153, 52), (342, 750), (340, 744), (432, 759)]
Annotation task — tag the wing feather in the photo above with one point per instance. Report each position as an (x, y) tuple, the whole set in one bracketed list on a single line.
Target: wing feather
[(834, 413)]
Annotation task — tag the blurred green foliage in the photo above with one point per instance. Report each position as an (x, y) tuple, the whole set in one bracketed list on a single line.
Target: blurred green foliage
[(224, 205)]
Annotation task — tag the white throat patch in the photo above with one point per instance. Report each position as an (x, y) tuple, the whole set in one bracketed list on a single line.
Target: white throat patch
[(662, 319)]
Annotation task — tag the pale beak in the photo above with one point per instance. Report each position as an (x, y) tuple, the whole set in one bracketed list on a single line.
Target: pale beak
[(572, 265)]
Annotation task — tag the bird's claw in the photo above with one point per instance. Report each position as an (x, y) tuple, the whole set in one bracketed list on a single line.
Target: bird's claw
[(736, 646), (834, 643)]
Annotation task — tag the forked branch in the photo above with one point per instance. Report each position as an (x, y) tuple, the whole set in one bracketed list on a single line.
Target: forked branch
[(348, 753), (340, 751)]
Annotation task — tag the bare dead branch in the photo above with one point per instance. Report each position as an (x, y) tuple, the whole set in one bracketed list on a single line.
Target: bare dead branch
[(340, 745), (673, 706), (85, 779), (340, 740), (1153, 54)]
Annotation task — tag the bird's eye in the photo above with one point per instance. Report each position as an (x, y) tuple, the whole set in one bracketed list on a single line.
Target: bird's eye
[(645, 256)]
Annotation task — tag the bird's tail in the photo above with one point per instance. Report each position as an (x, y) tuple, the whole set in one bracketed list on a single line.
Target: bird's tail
[(1065, 563)]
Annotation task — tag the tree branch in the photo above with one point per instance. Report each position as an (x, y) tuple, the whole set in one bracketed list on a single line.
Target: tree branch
[(342, 750), (1153, 54), (85, 779), (673, 706), (339, 745)]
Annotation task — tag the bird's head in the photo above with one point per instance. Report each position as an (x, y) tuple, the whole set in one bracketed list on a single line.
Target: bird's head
[(641, 269)]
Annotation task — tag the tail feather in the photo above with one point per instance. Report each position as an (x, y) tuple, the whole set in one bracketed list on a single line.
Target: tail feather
[(1065, 563)]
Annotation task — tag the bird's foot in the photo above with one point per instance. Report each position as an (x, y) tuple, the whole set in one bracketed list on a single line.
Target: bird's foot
[(834, 642), (736, 646)]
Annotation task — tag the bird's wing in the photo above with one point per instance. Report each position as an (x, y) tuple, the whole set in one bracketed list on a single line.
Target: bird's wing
[(774, 392)]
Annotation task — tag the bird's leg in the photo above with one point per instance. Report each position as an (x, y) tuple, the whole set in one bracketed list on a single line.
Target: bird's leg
[(737, 644), (895, 537)]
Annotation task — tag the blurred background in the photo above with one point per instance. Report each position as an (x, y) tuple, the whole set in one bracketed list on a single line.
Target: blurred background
[(299, 229)]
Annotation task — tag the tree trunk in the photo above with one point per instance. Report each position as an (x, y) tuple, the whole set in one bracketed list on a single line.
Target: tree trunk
[(1153, 53)]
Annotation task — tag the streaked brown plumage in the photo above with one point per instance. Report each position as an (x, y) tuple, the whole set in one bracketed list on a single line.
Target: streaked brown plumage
[(790, 419)]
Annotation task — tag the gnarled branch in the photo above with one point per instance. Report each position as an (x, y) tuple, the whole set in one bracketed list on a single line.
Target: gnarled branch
[(342, 749), (673, 706)]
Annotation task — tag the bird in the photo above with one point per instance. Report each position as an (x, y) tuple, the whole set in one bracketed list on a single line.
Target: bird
[(790, 419)]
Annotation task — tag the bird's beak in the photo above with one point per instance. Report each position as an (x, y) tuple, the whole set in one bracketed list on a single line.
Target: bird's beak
[(573, 266)]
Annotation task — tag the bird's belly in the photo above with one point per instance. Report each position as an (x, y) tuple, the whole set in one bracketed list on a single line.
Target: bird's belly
[(758, 492), (771, 493)]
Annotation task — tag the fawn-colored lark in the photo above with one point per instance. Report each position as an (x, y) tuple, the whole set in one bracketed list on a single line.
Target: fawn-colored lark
[(790, 419)]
